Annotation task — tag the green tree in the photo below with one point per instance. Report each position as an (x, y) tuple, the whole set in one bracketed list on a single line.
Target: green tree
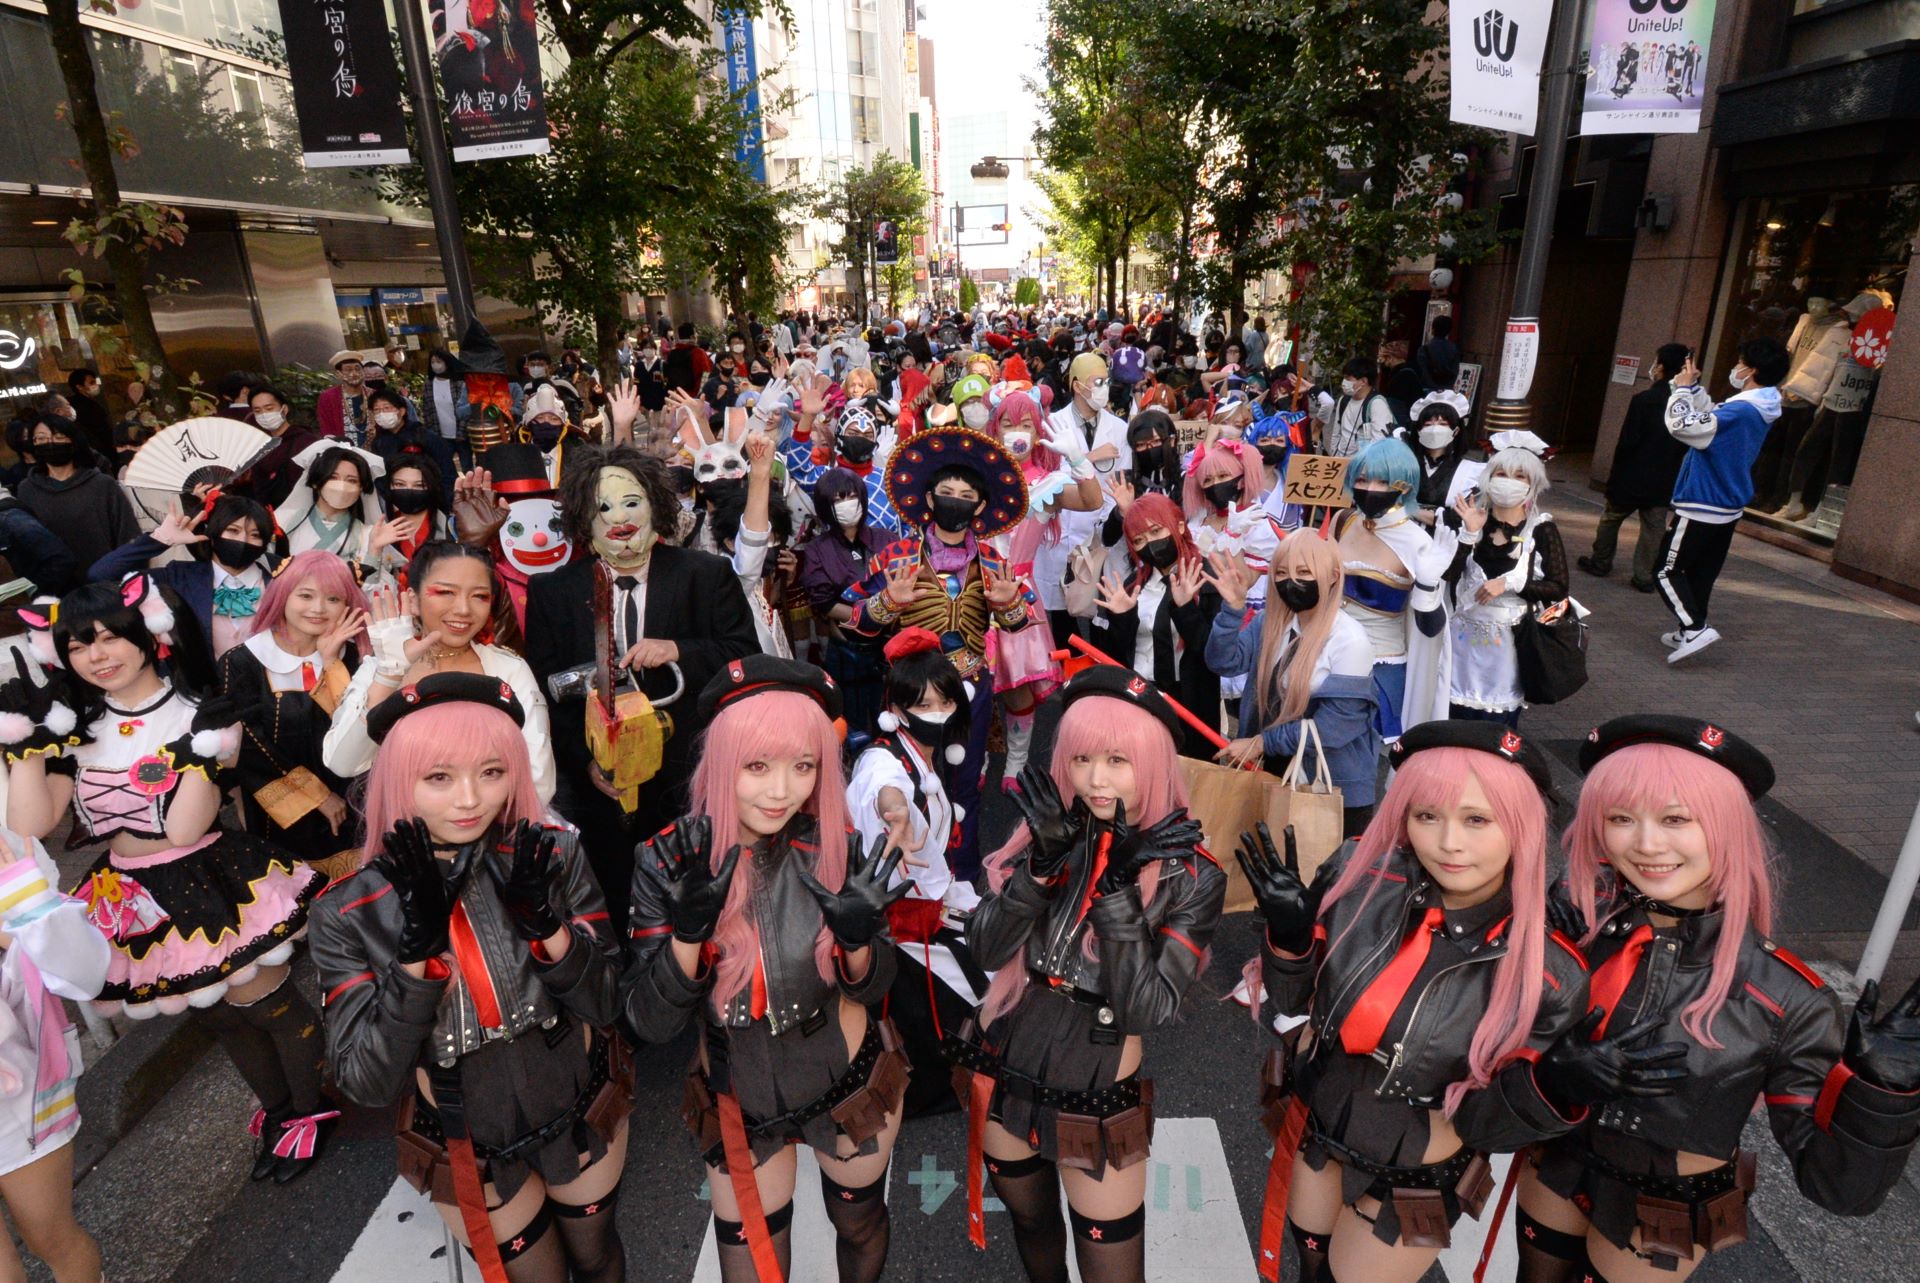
[(888, 190), (1026, 292), (969, 294)]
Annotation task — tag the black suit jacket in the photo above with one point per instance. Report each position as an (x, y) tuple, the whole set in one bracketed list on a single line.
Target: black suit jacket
[(1647, 460), (693, 599), (1186, 677)]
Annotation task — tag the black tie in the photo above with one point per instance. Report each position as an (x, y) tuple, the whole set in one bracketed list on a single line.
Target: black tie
[(1089, 427), (628, 583)]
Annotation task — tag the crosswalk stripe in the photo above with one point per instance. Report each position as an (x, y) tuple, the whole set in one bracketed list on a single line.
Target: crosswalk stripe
[(405, 1241)]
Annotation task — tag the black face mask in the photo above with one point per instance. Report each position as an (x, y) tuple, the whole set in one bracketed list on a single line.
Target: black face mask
[(1150, 459), (1297, 595), (1160, 553), (716, 492), (858, 450), (934, 735), (235, 553), (1221, 494), (1273, 455), (409, 501), (56, 454), (1375, 503), (951, 513), (546, 435)]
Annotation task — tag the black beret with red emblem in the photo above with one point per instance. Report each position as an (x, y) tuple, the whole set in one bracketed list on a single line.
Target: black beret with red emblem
[(758, 674), (443, 688), (1482, 737), (1711, 741), (1116, 682)]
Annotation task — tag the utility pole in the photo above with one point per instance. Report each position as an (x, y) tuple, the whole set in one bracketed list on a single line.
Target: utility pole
[(1559, 79), (437, 163)]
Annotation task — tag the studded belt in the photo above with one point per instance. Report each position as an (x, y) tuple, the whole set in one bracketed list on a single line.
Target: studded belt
[(1443, 1175), (1697, 1188), (1097, 1102)]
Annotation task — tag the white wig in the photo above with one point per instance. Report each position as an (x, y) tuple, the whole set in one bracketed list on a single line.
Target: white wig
[(1516, 462)]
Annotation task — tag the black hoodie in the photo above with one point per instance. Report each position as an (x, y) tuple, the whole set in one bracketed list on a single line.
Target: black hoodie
[(88, 510)]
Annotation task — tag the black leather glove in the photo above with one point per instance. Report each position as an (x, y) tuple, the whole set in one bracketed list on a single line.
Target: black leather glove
[(1576, 1071), (1886, 1051), (524, 887), (1052, 828), (680, 862), (426, 903), (858, 910), (1134, 849), (1290, 906), (1563, 915)]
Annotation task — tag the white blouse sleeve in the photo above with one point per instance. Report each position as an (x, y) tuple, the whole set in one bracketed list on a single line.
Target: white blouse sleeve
[(513, 670), (348, 750)]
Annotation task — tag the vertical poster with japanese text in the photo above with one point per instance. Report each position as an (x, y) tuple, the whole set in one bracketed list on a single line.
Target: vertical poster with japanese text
[(346, 87), (743, 81), (1495, 50), (488, 52), (1646, 66)]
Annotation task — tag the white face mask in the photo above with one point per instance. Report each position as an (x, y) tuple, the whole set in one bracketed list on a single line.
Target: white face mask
[(1097, 397), (1740, 377), (270, 420), (738, 347), (846, 511), (536, 371), (1017, 443), (387, 419), (1434, 436), (975, 414), (1508, 492), (439, 367), (1348, 388), (1187, 361), (340, 495)]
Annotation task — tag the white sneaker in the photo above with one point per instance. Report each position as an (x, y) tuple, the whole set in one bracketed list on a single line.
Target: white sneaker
[(1674, 638), (1693, 644)]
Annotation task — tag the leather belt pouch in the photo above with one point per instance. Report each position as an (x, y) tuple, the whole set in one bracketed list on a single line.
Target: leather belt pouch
[(699, 1110), (1723, 1218), (1276, 1078), (863, 1115), (1666, 1227), (1423, 1218), (1129, 1133), (614, 1101), (1077, 1137), (1475, 1186)]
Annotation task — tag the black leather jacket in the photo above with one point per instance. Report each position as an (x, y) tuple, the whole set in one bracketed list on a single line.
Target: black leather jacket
[(383, 1023), (1148, 955), (1431, 1051), (657, 996), (1782, 1033)]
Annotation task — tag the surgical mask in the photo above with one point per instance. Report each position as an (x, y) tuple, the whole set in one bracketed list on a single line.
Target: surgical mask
[(409, 501), (1159, 553), (1436, 436), (340, 495), (536, 371), (1349, 388), (56, 454), (1187, 361), (1738, 379), (235, 553), (270, 420), (952, 513), (1297, 595), (975, 414), (438, 367), (388, 419), (1097, 397), (1018, 444), (1221, 494), (1375, 503), (857, 450), (545, 433), (648, 354), (736, 348), (846, 511), (1508, 492)]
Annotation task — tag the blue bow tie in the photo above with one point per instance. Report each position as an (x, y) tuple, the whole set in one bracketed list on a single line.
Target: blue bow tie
[(235, 603)]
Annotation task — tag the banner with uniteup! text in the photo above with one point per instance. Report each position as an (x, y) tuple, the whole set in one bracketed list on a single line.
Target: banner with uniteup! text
[(1495, 55), (1646, 66)]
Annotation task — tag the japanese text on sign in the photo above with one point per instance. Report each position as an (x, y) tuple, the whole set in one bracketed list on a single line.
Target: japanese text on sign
[(1317, 480)]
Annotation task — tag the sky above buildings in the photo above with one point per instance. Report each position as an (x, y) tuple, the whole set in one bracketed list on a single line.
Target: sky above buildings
[(985, 49)]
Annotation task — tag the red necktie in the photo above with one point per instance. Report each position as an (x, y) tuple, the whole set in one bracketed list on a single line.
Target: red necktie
[(308, 678), (1368, 1019), (1609, 983)]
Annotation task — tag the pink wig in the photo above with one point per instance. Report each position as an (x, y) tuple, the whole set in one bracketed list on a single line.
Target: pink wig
[(1216, 463), (1436, 778), (459, 735), (328, 572), (1652, 777), (1026, 410), (775, 724), (1096, 724)]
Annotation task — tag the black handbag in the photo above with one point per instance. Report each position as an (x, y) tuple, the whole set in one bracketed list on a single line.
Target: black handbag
[(1552, 656)]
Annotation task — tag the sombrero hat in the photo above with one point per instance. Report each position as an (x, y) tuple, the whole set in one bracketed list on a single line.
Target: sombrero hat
[(916, 460)]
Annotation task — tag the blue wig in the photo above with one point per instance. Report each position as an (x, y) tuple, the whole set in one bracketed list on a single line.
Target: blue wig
[(1389, 461)]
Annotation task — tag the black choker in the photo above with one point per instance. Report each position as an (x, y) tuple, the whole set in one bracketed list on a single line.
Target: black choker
[(1641, 900)]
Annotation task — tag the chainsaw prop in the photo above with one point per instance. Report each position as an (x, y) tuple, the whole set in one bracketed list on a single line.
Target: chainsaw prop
[(627, 732)]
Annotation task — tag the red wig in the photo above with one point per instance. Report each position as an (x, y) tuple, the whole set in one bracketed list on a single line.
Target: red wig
[(1158, 510)]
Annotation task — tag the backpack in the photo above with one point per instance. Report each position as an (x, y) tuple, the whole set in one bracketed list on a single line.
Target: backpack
[(1129, 364)]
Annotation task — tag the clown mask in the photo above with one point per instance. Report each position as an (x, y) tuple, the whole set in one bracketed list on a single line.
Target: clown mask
[(531, 540), (623, 534)]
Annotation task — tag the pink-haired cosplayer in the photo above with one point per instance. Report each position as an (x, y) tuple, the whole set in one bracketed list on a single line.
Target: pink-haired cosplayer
[(1102, 909), (1413, 990), (1668, 860), (307, 637), (761, 917), (470, 979), (1221, 495)]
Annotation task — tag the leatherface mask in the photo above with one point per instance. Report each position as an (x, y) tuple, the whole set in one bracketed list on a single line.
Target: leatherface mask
[(623, 534)]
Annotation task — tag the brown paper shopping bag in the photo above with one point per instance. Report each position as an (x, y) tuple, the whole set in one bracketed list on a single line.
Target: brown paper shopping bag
[(1229, 802)]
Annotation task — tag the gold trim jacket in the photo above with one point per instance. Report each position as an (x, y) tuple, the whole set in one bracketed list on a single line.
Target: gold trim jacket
[(1431, 1050), (382, 1023), (1148, 955), (1781, 1033), (657, 997)]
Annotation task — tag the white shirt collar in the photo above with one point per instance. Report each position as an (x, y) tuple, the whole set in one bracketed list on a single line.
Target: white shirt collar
[(273, 656)]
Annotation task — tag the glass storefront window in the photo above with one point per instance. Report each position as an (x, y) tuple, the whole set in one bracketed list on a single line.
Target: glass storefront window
[(1824, 274), (417, 318)]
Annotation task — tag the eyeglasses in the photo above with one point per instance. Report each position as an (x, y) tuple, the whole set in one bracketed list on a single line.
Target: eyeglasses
[(1100, 382)]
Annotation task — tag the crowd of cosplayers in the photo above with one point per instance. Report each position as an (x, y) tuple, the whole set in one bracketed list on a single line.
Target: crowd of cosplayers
[(552, 714)]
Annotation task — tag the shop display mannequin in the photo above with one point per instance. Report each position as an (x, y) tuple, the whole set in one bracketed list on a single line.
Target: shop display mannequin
[(1827, 455)]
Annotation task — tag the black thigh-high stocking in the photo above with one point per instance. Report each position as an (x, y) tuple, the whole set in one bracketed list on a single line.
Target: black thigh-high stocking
[(1030, 1187), (1547, 1255), (736, 1257), (253, 1053), (862, 1227), (1311, 1247), (591, 1239), (1111, 1251), (293, 1030), (533, 1255)]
